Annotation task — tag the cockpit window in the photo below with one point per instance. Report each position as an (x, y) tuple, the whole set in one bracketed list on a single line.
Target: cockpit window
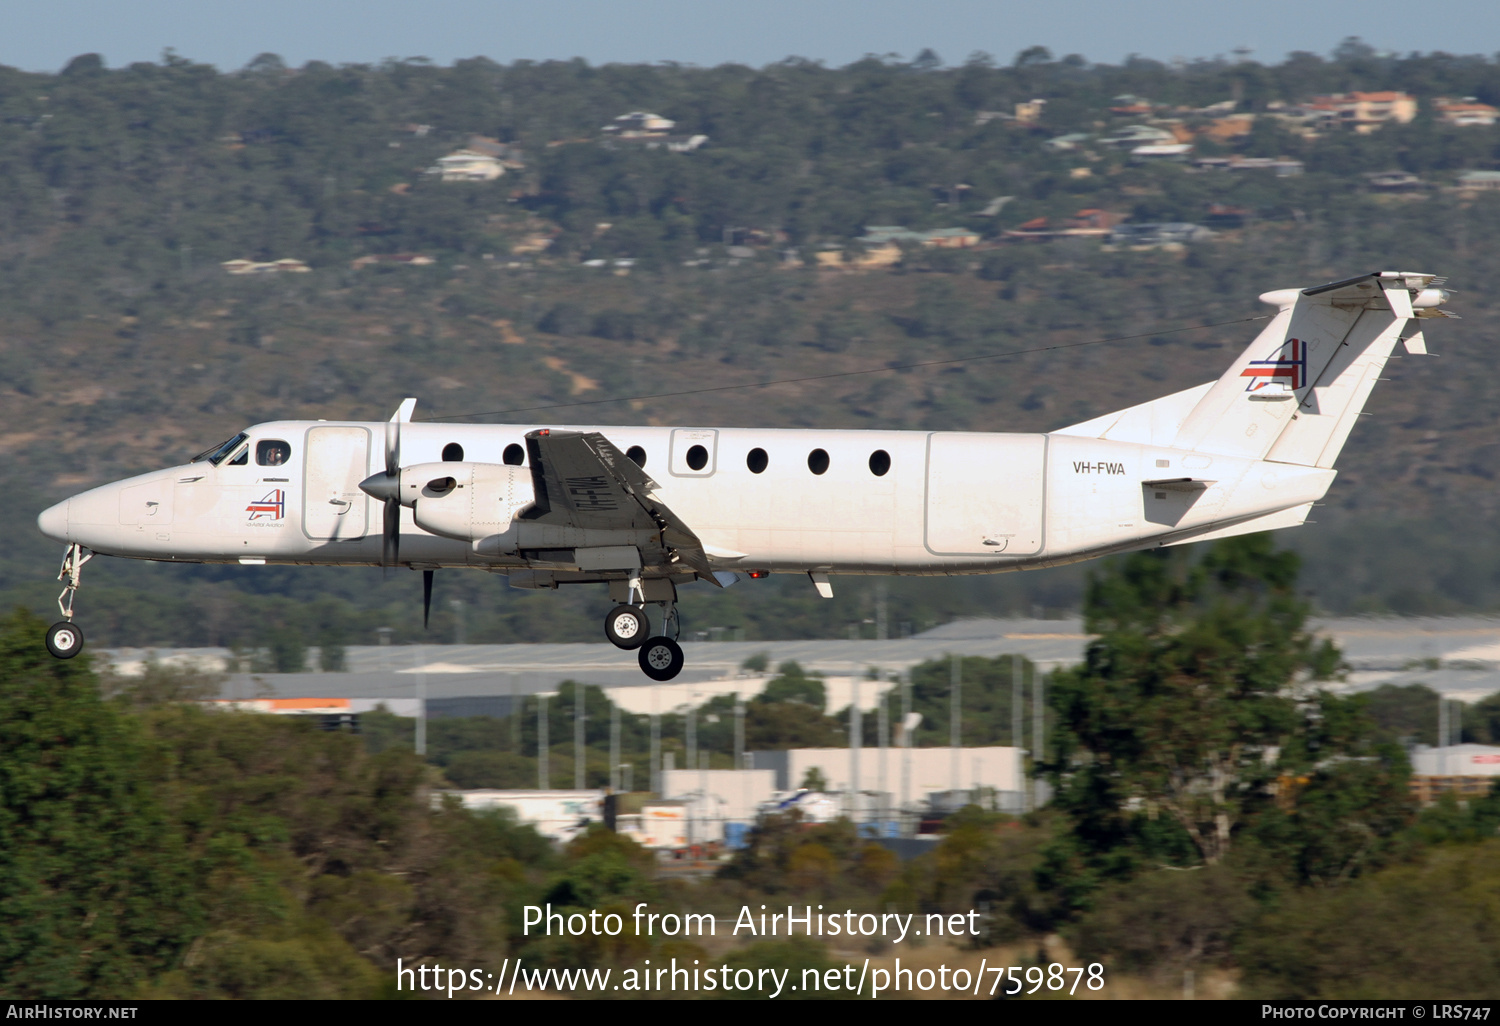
[(272, 452), (241, 458), (217, 454)]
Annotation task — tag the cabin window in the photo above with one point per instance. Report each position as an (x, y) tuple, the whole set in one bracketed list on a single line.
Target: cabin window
[(757, 461), (272, 452), (637, 455), (453, 453), (514, 455), (880, 462), (817, 461), (217, 453), (697, 457)]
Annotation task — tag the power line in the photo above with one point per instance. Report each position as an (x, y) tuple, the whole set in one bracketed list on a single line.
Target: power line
[(850, 374)]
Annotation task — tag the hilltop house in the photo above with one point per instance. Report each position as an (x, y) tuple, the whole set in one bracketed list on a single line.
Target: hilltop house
[(1151, 236), (1394, 181), (1132, 136), (392, 259), (937, 238), (1364, 112), (468, 165), (649, 131), (286, 265), (1030, 111), (1161, 151), (1479, 181), (1130, 105), (1283, 166), (1089, 222), (1071, 141), (1227, 130), (1465, 113)]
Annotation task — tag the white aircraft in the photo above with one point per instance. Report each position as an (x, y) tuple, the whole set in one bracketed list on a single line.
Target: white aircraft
[(646, 509)]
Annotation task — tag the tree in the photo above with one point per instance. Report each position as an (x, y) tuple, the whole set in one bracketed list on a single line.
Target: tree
[(95, 887), (814, 780), (1194, 705)]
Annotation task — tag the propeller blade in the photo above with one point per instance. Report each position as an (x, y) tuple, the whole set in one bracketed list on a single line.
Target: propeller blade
[(390, 488), (393, 434), (426, 597), (390, 547)]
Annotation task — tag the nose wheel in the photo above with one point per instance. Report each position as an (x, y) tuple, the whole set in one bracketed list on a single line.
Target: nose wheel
[(65, 639)]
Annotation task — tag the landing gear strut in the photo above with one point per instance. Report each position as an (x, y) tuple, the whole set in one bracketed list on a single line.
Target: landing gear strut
[(627, 625), (64, 639)]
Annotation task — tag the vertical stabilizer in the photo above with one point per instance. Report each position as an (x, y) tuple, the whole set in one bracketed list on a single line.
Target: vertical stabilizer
[(1294, 393)]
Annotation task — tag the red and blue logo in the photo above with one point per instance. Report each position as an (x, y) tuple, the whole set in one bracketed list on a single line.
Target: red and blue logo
[(1288, 365), (271, 507)]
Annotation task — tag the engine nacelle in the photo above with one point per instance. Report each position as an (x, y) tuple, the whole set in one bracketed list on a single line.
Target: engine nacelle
[(467, 501)]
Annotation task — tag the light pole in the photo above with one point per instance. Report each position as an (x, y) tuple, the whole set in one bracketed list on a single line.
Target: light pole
[(420, 666), (614, 746), (955, 730), (578, 736), (542, 778), (655, 768)]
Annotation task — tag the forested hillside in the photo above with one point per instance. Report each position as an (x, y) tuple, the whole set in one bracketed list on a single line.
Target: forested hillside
[(125, 344)]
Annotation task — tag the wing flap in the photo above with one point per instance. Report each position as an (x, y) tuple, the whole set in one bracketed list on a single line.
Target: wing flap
[(582, 480)]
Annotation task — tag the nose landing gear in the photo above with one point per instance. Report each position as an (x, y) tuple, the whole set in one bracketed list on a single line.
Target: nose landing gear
[(64, 639)]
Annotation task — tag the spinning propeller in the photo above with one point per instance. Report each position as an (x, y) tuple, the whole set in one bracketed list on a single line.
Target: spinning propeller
[(387, 488)]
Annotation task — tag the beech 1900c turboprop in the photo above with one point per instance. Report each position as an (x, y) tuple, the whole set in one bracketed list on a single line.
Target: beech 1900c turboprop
[(646, 509)]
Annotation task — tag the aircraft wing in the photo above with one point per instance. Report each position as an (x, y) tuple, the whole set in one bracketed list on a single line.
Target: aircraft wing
[(581, 480)]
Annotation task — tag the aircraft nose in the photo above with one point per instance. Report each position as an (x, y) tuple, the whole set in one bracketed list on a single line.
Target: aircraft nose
[(53, 522)]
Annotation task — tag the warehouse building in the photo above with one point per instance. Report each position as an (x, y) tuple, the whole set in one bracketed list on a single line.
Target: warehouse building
[(1469, 771)]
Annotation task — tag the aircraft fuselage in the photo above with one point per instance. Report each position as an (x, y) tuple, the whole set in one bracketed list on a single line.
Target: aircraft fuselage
[(885, 502)]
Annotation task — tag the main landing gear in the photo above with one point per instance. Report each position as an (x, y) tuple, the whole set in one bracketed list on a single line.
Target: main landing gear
[(661, 658), (64, 639), (627, 627)]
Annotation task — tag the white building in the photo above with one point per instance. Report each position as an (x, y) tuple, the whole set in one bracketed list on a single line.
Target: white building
[(641, 122), (719, 804), (468, 166), (1457, 761), (840, 693), (1469, 771)]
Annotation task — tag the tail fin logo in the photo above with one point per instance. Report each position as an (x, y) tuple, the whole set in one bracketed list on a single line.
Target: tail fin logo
[(1287, 365)]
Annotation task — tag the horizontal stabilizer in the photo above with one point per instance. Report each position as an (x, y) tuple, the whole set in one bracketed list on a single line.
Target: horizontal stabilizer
[(1179, 484), (1296, 516)]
